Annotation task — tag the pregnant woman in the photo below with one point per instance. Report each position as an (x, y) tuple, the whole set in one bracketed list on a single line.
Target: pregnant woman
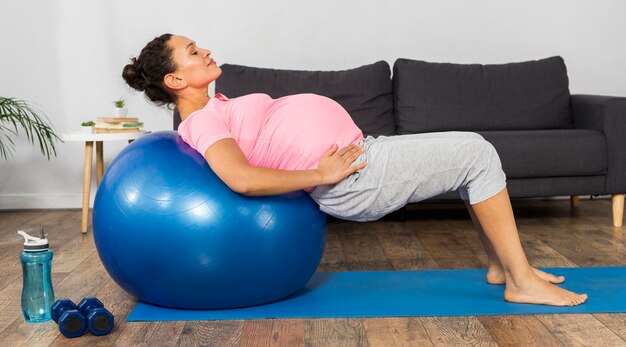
[(263, 146)]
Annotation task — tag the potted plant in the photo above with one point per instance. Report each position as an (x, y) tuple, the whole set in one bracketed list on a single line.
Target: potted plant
[(87, 127), (16, 114), (120, 109)]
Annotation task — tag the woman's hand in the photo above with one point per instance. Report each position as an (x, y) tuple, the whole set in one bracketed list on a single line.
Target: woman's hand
[(335, 165)]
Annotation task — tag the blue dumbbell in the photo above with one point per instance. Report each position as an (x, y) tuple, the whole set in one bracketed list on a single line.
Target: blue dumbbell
[(99, 320), (71, 322)]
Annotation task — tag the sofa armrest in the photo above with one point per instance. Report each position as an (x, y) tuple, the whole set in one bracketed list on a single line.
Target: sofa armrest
[(606, 114)]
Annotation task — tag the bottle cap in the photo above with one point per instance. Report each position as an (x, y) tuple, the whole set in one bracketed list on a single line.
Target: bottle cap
[(34, 244)]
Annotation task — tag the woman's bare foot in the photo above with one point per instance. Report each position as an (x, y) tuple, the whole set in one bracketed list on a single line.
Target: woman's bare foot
[(534, 290), (495, 275)]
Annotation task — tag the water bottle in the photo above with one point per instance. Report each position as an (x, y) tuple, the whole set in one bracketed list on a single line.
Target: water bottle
[(37, 293)]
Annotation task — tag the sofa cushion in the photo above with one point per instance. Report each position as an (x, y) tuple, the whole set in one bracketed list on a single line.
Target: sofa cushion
[(471, 97), (550, 153), (365, 92)]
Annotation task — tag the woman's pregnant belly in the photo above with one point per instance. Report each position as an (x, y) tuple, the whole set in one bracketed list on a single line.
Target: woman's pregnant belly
[(299, 129)]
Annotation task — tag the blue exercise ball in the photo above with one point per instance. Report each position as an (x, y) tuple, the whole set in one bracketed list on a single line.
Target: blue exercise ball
[(171, 233)]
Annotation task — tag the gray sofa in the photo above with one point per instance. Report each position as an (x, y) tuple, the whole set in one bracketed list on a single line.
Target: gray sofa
[(550, 143)]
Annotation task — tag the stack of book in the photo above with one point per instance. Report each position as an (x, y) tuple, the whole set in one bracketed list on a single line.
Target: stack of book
[(117, 125)]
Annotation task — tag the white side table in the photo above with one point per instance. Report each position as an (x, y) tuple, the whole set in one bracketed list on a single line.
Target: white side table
[(89, 139)]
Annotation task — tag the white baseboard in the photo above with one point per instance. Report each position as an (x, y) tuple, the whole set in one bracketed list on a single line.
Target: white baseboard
[(41, 201)]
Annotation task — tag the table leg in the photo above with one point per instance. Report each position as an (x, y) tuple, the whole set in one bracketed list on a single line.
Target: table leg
[(617, 202), (99, 162), (86, 185)]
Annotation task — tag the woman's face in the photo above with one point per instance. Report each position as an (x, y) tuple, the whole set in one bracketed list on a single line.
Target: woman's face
[(195, 65)]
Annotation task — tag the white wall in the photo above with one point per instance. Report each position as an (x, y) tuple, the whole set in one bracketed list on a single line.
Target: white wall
[(67, 55)]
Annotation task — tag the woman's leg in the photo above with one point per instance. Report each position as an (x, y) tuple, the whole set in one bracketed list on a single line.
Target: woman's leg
[(495, 273), (410, 168), (495, 216)]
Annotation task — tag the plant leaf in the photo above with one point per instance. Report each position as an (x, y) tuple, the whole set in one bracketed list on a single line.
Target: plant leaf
[(17, 114)]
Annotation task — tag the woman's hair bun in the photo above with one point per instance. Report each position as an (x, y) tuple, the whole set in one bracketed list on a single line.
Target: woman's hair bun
[(145, 73), (134, 76)]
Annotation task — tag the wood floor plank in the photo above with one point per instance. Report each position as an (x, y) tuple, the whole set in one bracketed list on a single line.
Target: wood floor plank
[(17, 217), (457, 331), (342, 332), (10, 306), (541, 255), (615, 321), (363, 251), (618, 234), (449, 252), (580, 330), (580, 253), (86, 280), (14, 330), (165, 333), (519, 331), (211, 333), (428, 225), (594, 233), (10, 265), (71, 254), (273, 332), (11, 222), (44, 335), (334, 258), (138, 333), (600, 240), (403, 248), (396, 331), (150, 334), (28, 221), (33, 221), (472, 241), (596, 217), (20, 332)]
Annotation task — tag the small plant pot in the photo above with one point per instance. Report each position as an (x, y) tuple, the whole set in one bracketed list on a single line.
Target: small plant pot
[(120, 111), (87, 130)]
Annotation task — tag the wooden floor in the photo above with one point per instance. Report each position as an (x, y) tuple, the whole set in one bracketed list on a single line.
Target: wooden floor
[(435, 236)]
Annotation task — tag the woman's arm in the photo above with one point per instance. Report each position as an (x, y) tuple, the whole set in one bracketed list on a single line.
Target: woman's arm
[(231, 166)]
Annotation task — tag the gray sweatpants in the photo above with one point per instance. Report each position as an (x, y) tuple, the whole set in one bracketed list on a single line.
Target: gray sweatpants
[(410, 168)]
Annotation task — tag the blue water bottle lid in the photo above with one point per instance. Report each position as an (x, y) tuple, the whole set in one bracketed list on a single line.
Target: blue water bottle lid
[(34, 244)]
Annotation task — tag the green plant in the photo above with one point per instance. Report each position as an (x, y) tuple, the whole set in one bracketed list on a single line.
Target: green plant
[(119, 103), (88, 124), (15, 114)]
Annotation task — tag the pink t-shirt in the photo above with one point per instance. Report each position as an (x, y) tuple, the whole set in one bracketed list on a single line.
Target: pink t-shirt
[(289, 133)]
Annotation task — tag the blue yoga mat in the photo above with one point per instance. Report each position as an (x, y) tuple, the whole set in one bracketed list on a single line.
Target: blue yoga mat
[(411, 293)]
